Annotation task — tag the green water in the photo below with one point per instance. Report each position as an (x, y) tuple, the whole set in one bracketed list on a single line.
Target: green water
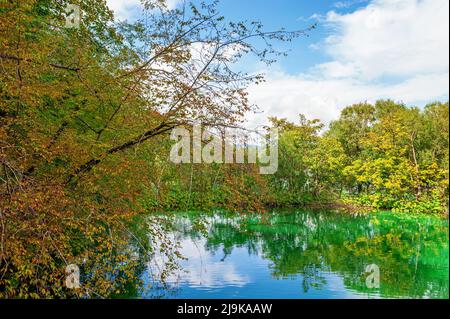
[(305, 254)]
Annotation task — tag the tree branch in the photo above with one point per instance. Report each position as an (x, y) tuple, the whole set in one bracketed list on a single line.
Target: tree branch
[(89, 165), (57, 66)]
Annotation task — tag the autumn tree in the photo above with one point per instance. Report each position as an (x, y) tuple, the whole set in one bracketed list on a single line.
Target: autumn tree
[(80, 109)]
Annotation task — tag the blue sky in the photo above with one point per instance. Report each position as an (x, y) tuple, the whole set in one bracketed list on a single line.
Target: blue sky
[(362, 50), (292, 15)]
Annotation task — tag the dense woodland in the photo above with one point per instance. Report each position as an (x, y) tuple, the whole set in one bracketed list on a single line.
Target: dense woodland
[(85, 120), (386, 156)]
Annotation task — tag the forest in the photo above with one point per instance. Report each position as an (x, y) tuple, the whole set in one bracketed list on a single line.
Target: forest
[(85, 119)]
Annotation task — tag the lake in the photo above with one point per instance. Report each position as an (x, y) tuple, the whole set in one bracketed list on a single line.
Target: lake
[(305, 254)]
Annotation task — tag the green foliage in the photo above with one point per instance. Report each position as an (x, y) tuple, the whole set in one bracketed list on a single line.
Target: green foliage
[(400, 166), (383, 156)]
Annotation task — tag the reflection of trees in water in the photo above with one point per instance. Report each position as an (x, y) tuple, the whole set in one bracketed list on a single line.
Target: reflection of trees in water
[(412, 252), (156, 244)]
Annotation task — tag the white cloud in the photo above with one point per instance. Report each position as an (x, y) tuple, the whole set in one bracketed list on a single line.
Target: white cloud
[(171, 4), (393, 37), (395, 49), (202, 269), (124, 9), (130, 9), (287, 96)]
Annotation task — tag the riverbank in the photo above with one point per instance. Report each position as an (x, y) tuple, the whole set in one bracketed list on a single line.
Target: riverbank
[(352, 207)]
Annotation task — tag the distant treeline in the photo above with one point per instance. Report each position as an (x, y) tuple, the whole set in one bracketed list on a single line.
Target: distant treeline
[(385, 156)]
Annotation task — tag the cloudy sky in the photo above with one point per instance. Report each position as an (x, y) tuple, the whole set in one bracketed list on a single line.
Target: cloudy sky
[(362, 51)]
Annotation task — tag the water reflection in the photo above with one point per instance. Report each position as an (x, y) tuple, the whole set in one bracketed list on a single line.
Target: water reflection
[(309, 255), (208, 270)]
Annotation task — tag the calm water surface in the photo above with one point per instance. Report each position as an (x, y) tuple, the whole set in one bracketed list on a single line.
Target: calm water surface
[(302, 254)]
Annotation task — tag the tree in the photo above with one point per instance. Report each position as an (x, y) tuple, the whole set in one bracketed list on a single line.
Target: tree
[(79, 110)]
